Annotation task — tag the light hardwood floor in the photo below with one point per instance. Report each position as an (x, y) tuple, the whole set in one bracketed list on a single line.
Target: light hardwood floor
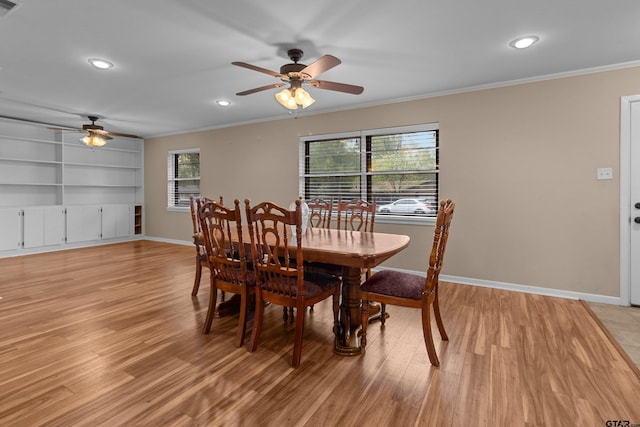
[(110, 336)]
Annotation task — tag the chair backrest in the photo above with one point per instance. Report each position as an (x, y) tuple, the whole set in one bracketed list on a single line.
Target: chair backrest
[(356, 215), (194, 215), (440, 237), (320, 212), (276, 247), (195, 203), (222, 235)]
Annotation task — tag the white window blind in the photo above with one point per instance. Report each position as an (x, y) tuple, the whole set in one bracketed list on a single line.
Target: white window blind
[(183, 172), (389, 165)]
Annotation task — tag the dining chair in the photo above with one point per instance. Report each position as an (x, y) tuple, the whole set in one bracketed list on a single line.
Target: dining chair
[(412, 290), (356, 215), (222, 235), (352, 215), (276, 253), (201, 253), (198, 241), (320, 212)]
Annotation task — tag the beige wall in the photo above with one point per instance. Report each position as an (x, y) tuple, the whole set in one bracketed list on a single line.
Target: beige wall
[(520, 161)]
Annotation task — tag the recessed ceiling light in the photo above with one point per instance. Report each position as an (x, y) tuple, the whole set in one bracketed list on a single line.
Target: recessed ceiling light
[(523, 42), (223, 102), (100, 63)]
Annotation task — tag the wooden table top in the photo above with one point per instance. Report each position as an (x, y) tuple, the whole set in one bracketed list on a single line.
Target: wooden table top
[(357, 249), (351, 248)]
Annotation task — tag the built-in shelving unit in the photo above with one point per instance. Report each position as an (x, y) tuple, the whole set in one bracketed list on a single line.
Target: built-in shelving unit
[(41, 166), (137, 220)]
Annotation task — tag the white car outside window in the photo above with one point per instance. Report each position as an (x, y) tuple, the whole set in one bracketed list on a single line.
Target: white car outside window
[(405, 206)]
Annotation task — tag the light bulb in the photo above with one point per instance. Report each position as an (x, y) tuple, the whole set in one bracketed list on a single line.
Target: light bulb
[(94, 141)]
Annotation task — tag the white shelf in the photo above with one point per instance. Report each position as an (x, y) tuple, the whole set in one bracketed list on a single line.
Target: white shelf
[(32, 184), (40, 165), (102, 185), (96, 165), (15, 160), (19, 138)]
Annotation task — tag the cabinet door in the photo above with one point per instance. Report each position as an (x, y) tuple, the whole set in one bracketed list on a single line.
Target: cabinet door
[(83, 223), (116, 221), (53, 225), (10, 229), (33, 227)]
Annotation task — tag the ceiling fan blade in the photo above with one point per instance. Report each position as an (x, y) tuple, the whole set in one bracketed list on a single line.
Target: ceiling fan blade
[(51, 125), (123, 135), (324, 63), (338, 87), (260, 89), (97, 131), (256, 68)]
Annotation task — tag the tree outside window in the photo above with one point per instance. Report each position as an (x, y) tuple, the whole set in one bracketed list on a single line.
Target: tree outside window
[(184, 177), (391, 167)]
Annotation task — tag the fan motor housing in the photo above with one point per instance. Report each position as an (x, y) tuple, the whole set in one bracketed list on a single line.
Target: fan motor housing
[(291, 68)]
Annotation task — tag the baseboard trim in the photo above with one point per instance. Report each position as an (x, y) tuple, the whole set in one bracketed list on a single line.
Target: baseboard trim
[(522, 288), (484, 283), (174, 241), (67, 246)]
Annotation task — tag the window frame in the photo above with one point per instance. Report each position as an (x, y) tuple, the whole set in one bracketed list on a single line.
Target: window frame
[(387, 218), (171, 179)]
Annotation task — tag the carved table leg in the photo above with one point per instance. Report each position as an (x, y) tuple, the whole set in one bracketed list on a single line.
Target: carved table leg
[(347, 341)]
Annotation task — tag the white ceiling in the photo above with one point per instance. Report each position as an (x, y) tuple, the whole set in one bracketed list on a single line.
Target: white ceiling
[(173, 57)]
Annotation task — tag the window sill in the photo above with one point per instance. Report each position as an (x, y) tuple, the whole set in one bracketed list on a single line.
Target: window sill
[(408, 220), (178, 209)]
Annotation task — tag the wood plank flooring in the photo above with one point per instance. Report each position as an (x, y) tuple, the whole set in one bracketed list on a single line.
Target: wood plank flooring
[(110, 336)]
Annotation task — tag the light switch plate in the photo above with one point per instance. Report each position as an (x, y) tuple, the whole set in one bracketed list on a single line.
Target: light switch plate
[(605, 173)]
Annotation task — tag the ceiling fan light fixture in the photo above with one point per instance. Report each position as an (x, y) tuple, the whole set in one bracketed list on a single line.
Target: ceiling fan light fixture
[(292, 97), (303, 98), (285, 99), (93, 140)]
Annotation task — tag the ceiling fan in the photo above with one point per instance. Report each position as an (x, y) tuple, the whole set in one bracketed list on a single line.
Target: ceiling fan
[(298, 74), (97, 136)]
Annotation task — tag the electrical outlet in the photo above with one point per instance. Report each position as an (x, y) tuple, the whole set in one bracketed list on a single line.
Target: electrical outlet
[(605, 173)]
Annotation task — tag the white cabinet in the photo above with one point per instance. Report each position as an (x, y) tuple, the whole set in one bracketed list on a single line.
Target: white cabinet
[(83, 223), (54, 232), (10, 221), (116, 221), (33, 227), (43, 226), (56, 191)]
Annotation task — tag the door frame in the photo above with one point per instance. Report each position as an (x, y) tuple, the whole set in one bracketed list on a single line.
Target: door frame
[(625, 197)]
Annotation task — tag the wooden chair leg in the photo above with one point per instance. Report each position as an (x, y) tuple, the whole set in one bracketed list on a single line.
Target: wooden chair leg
[(426, 332), (297, 342), (196, 283), (365, 321), (383, 313), (436, 312), (213, 295), (336, 310), (257, 322), (287, 314), (242, 322)]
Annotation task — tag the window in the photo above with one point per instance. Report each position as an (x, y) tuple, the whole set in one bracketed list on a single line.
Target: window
[(398, 167), (183, 177)]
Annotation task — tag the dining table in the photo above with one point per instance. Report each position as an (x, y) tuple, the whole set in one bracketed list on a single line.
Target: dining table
[(355, 251)]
